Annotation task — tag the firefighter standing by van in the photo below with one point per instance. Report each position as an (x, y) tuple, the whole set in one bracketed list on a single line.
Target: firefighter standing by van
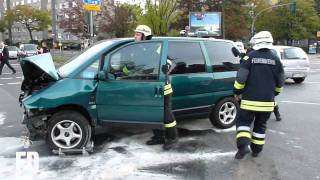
[(169, 136), (259, 79)]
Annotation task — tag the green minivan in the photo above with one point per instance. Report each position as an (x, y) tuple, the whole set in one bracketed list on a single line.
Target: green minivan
[(120, 81)]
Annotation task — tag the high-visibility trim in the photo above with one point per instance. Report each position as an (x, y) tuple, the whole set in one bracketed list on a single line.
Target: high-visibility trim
[(168, 86), (279, 90), (244, 134), (245, 58), (169, 91), (256, 108), (243, 128), (257, 103), (257, 135), (275, 104), (258, 142), (238, 85), (170, 125), (125, 70)]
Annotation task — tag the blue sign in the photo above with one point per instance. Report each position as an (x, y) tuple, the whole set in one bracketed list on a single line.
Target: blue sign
[(92, 2)]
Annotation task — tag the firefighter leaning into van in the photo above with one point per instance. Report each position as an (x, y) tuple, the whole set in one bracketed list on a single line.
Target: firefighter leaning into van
[(259, 79), (169, 137)]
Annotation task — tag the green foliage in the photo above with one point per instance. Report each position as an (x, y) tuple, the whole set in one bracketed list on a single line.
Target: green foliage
[(119, 21), (33, 19), (285, 25), (160, 14)]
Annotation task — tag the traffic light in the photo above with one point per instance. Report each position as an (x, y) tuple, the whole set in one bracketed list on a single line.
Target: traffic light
[(86, 28), (293, 6)]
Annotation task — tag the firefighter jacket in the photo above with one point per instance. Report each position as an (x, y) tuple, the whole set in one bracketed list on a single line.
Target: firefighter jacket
[(259, 78)]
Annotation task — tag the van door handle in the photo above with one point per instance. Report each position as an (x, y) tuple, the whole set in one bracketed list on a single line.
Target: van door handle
[(157, 91)]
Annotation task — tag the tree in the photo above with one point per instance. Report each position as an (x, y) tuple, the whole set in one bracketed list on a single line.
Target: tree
[(160, 14), (119, 20), (33, 19), (236, 19), (286, 25), (73, 18)]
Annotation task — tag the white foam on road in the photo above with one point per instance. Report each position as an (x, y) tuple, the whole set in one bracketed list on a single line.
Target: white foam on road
[(133, 163), (299, 102), (10, 144), (2, 118)]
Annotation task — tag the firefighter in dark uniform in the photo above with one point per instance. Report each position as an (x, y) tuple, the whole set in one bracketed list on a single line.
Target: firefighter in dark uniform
[(259, 79)]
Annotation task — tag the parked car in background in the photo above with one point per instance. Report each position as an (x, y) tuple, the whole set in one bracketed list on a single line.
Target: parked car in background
[(295, 62), (13, 52), (182, 32), (29, 49), (201, 32)]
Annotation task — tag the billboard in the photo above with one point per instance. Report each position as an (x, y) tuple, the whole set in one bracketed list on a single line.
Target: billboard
[(92, 5), (205, 23)]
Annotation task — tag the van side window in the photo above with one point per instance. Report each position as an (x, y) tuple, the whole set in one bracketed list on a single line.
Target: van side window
[(138, 61), (221, 57), (187, 57)]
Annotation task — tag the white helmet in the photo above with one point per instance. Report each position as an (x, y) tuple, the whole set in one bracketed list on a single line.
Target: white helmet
[(261, 40), (145, 30)]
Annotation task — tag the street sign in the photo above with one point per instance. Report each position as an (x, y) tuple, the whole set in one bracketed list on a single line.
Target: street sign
[(92, 5)]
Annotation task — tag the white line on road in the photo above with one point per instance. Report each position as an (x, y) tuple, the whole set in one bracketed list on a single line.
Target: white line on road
[(15, 83), (297, 102), (312, 82), (2, 118), (6, 78), (1, 84), (11, 73)]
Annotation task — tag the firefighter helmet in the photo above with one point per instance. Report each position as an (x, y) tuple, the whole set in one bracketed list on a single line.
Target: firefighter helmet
[(261, 40), (145, 30)]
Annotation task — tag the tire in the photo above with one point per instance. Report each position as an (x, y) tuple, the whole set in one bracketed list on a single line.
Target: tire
[(61, 121), (298, 80), (224, 113)]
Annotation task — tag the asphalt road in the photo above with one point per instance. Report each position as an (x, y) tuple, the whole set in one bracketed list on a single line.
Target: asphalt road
[(291, 151)]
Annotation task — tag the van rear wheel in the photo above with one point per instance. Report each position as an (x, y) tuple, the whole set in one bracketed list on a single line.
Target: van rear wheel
[(224, 113), (68, 130)]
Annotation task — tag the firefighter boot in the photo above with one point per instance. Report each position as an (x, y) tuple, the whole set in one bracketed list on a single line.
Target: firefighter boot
[(169, 144), (277, 113), (171, 138), (242, 152), (157, 138), (155, 141)]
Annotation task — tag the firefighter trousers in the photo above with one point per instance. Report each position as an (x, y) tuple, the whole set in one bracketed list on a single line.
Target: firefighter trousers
[(256, 138)]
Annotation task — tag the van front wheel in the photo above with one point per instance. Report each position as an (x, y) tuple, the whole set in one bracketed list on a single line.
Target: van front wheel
[(68, 130), (224, 113)]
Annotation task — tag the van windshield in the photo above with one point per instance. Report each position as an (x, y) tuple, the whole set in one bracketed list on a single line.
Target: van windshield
[(76, 61)]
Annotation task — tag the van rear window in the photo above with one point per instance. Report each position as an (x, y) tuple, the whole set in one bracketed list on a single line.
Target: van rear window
[(221, 57)]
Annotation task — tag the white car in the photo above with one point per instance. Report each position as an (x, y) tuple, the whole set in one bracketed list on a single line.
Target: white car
[(182, 32), (13, 52), (29, 49), (295, 62)]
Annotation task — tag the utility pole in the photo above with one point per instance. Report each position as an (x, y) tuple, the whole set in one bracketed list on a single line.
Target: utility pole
[(54, 20), (10, 25)]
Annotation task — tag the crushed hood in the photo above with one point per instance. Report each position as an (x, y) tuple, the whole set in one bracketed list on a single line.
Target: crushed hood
[(43, 62)]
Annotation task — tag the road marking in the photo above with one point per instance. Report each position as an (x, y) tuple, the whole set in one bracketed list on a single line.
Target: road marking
[(6, 78), (1, 84), (312, 82), (20, 77), (11, 73), (15, 83), (2, 118), (297, 102)]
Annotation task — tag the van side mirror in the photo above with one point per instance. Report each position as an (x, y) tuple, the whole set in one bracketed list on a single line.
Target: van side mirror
[(101, 76), (236, 52)]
